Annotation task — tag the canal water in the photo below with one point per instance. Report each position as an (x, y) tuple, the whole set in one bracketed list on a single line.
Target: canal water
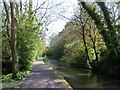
[(83, 78)]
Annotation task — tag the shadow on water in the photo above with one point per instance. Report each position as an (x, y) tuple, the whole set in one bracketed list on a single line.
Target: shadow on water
[(83, 78)]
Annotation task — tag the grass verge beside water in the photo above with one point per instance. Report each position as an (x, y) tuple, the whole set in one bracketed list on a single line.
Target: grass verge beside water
[(67, 85)]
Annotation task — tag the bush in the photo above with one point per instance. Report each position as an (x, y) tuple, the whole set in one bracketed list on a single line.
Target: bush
[(45, 59), (6, 55), (75, 56), (109, 63), (30, 44), (8, 78)]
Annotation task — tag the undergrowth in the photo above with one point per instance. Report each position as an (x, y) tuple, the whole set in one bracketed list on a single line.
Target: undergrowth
[(8, 78)]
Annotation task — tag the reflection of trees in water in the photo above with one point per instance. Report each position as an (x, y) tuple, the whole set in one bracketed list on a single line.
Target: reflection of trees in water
[(80, 78)]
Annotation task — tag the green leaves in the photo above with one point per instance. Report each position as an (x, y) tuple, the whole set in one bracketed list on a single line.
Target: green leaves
[(8, 78), (30, 43), (40, 24)]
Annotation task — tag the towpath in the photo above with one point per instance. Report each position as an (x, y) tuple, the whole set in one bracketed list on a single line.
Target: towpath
[(43, 76)]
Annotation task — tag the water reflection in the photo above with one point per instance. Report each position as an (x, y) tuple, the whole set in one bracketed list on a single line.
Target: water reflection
[(83, 78)]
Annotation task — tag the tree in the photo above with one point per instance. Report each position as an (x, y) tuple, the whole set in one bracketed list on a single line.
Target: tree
[(7, 19), (24, 30), (88, 32), (108, 28), (110, 36), (13, 39), (113, 36)]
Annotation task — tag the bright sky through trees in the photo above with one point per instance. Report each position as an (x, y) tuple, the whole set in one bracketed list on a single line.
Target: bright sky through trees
[(67, 9)]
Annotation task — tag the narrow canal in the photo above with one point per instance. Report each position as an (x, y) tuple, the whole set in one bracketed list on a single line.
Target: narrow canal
[(83, 78)]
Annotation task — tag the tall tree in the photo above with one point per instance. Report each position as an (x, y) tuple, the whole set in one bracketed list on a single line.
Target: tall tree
[(114, 41), (110, 36), (7, 19), (13, 39)]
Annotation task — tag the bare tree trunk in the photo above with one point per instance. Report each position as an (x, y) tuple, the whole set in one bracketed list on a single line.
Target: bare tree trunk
[(20, 8), (7, 18), (85, 45), (13, 39)]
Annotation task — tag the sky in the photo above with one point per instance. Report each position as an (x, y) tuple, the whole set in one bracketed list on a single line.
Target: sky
[(67, 8)]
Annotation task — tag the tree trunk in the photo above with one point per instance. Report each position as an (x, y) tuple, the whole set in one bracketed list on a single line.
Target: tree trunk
[(30, 9), (20, 8), (114, 42), (109, 37), (94, 47), (98, 23), (7, 19), (13, 40), (85, 45)]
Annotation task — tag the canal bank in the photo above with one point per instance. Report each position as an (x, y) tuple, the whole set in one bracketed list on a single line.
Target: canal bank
[(83, 78)]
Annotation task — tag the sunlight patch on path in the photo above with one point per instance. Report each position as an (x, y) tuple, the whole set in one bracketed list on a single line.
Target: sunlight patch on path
[(43, 76)]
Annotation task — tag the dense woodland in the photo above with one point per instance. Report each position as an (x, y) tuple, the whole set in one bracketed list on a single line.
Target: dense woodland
[(90, 40)]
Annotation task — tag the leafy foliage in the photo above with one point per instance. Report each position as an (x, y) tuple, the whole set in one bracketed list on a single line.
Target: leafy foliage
[(30, 41), (45, 59), (94, 33), (8, 78)]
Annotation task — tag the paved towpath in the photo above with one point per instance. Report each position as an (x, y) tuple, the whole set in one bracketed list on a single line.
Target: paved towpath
[(42, 76)]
